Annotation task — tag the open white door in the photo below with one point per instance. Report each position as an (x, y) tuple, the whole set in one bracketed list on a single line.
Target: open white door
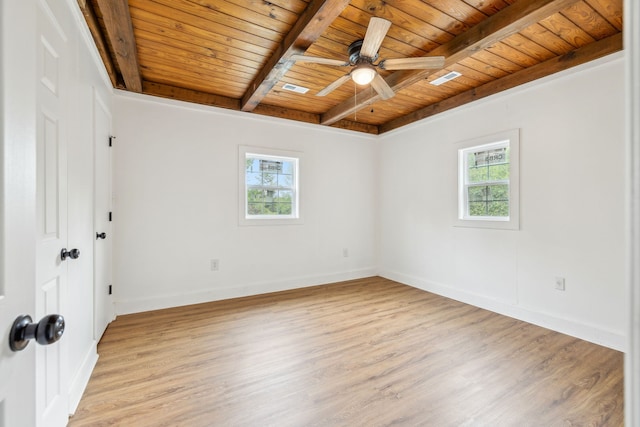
[(17, 208), (103, 302), (38, 55)]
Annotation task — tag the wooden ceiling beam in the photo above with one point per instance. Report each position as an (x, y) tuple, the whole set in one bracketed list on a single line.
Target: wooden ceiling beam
[(188, 95), (197, 97), (98, 39), (318, 15), (579, 56), (506, 22), (117, 21), (356, 126), (286, 113)]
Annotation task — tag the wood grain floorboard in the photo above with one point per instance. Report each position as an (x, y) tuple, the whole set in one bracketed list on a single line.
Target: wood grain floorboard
[(368, 352)]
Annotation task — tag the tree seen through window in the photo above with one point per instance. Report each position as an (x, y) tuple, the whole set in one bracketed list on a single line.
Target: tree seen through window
[(270, 185), (487, 182)]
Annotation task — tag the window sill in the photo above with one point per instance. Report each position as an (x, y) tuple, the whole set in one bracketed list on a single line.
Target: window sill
[(270, 221), (488, 223)]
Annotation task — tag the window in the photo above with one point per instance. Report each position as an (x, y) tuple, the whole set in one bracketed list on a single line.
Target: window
[(269, 186), (488, 181)]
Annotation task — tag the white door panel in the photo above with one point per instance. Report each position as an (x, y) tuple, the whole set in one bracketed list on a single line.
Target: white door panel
[(52, 99)]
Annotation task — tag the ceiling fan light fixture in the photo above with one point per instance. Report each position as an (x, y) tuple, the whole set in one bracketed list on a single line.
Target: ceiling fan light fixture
[(363, 74)]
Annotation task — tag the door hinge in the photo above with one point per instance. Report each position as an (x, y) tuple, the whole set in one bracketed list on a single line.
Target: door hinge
[(111, 138), (110, 289)]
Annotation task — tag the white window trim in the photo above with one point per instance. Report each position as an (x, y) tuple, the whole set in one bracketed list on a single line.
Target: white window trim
[(512, 137), (267, 153)]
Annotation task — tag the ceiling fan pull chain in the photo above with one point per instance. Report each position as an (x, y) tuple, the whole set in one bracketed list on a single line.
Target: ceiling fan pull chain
[(370, 98), (355, 102)]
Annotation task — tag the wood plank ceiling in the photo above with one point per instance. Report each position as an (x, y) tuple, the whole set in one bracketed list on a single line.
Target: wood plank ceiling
[(236, 54)]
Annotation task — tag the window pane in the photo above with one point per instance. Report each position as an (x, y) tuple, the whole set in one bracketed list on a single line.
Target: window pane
[(489, 200), (252, 165), (285, 195), (477, 174), (498, 209), (490, 157), (272, 166), (477, 194), (255, 208), (254, 178), (498, 172), (498, 192), (269, 179), (270, 208), (255, 195), (284, 208), (287, 168), (285, 180), (477, 209)]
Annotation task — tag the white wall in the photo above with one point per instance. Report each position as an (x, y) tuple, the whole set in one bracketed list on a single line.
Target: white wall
[(572, 204), (176, 206)]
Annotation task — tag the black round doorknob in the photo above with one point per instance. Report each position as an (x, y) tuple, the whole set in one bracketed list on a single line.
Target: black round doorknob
[(47, 331), (101, 236), (73, 254)]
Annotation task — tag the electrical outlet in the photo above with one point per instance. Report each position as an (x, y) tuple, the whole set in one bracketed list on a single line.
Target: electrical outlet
[(560, 283), (215, 265), (345, 252)]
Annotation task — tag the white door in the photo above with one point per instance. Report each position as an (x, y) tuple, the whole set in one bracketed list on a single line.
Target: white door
[(103, 302), (17, 209), (32, 196), (53, 100)]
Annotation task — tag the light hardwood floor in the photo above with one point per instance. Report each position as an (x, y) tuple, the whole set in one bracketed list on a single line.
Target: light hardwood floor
[(368, 352)]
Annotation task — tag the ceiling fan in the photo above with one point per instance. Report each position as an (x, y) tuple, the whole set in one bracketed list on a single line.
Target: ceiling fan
[(362, 56)]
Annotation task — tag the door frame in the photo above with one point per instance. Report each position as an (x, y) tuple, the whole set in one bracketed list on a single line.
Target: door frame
[(103, 303), (632, 356)]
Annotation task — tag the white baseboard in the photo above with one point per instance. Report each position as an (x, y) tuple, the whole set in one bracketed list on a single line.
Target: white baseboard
[(81, 378), (570, 327), (217, 294)]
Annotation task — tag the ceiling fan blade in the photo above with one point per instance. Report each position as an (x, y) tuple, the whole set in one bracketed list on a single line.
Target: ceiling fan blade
[(327, 90), (382, 87), (376, 31), (319, 60), (419, 63)]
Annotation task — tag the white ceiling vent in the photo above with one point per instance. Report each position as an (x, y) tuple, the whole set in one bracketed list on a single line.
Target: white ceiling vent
[(294, 88), (447, 77)]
